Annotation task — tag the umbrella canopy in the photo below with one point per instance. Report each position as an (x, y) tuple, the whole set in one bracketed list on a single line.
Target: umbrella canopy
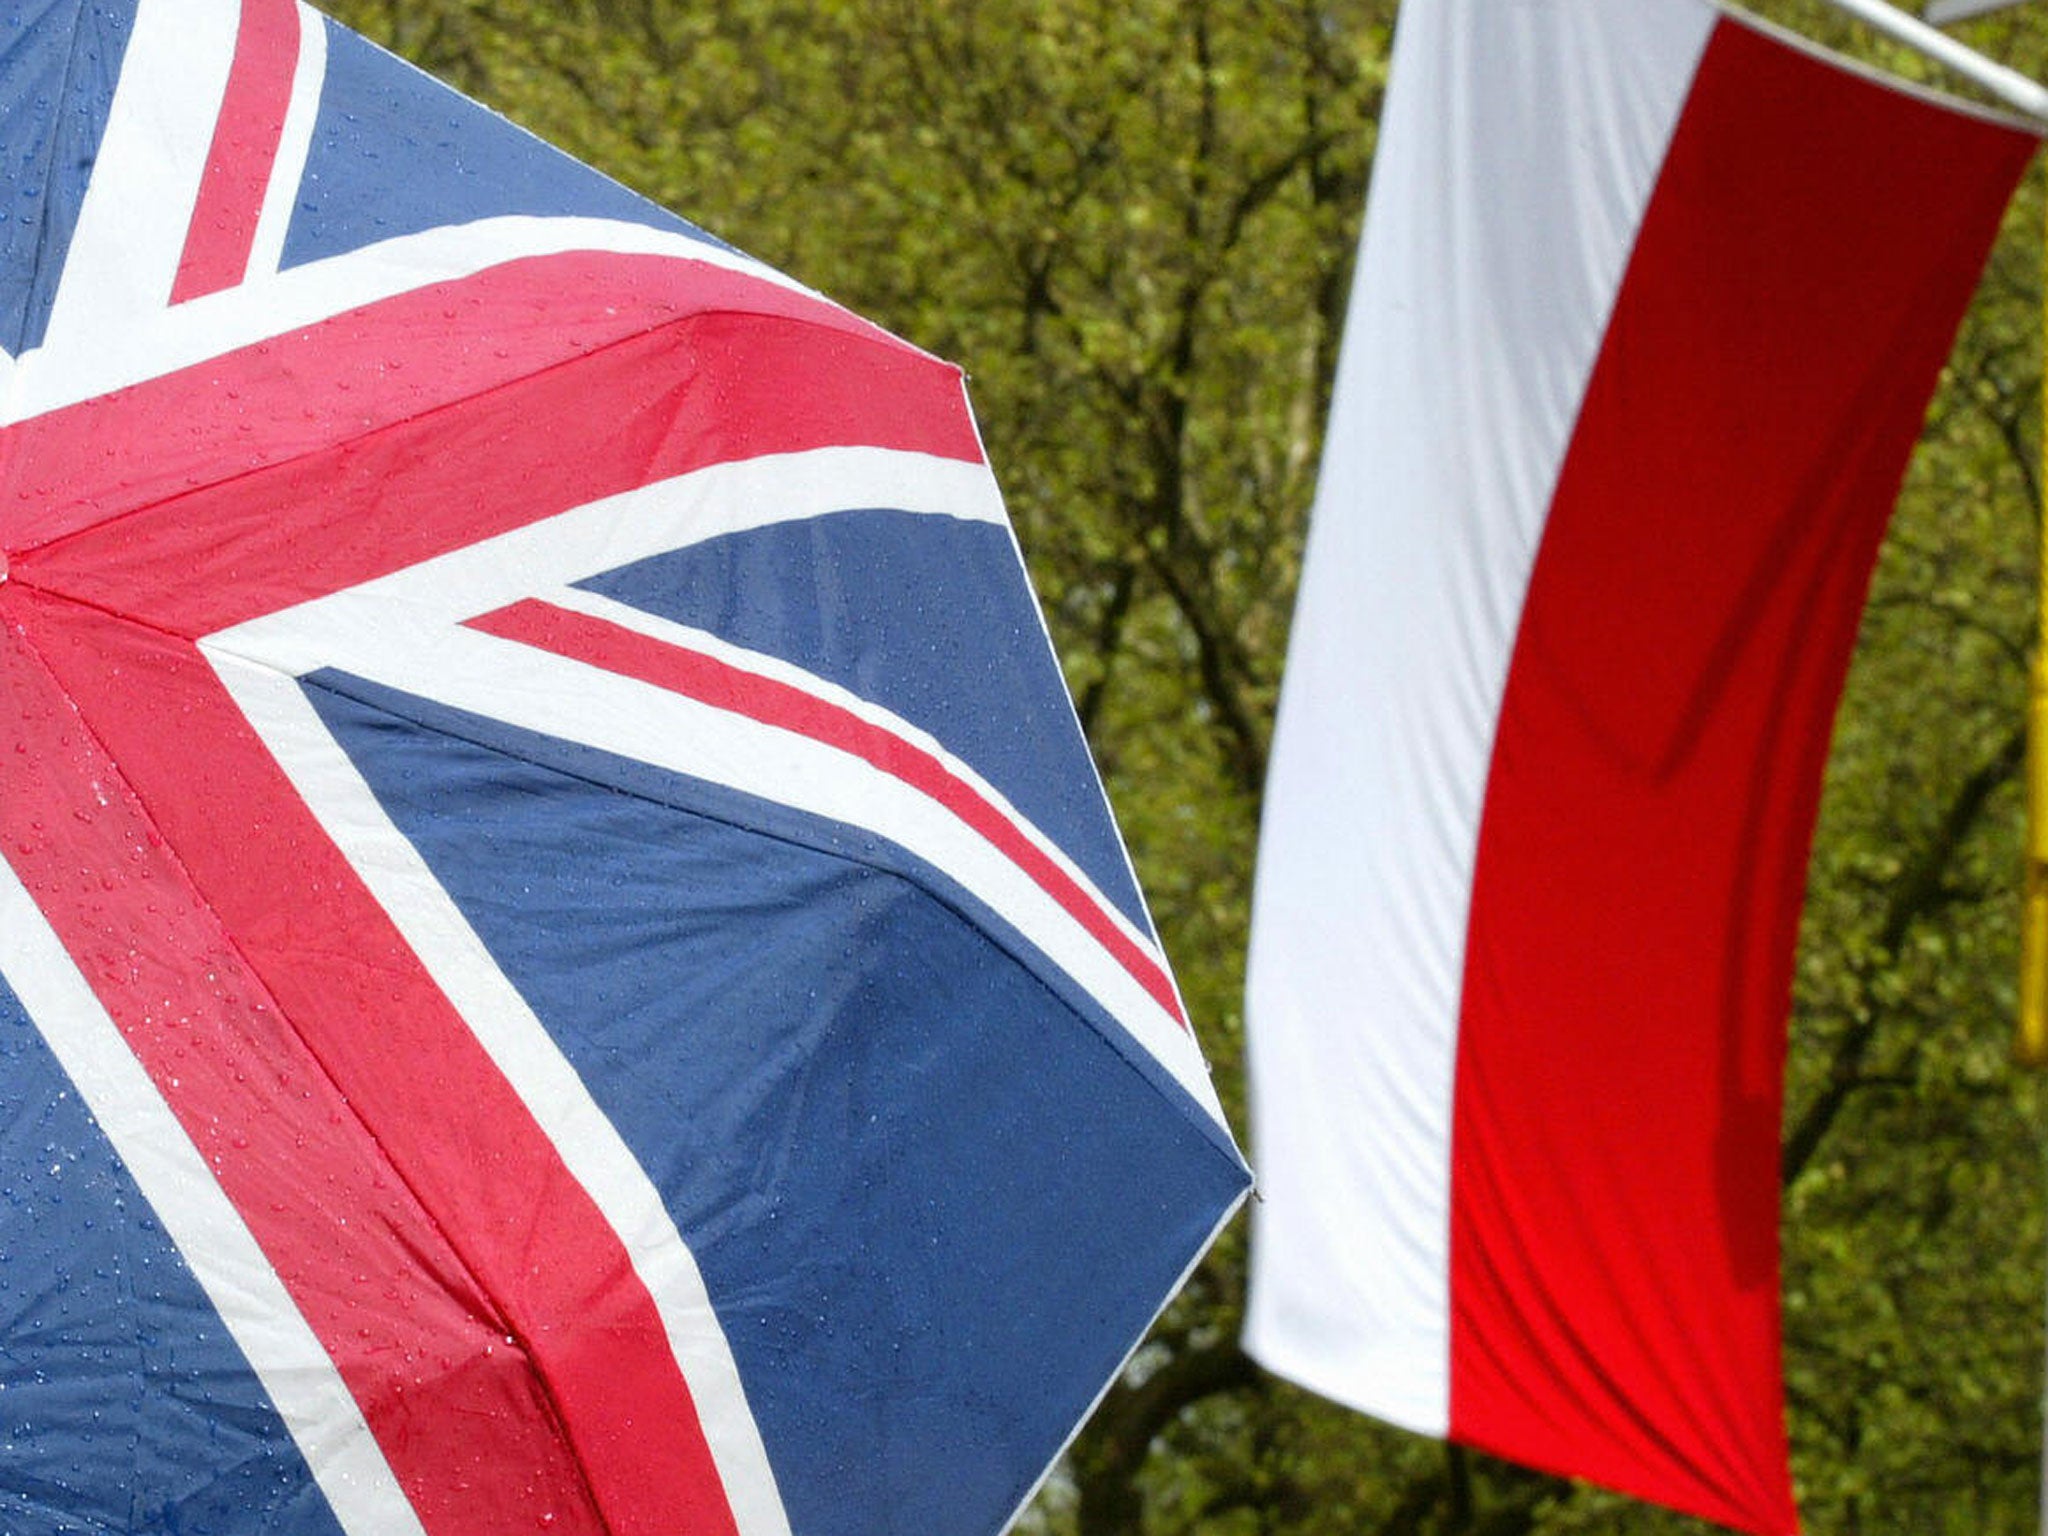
[(563, 964)]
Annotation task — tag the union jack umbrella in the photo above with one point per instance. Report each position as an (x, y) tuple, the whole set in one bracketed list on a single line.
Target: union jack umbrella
[(563, 964)]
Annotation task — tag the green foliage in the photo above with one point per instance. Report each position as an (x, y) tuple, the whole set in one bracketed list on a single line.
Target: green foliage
[(1132, 221)]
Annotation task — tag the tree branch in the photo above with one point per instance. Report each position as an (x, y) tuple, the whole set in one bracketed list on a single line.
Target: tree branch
[(1921, 890)]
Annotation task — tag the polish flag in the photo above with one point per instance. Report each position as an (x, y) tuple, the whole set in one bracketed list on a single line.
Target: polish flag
[(1649, 307)]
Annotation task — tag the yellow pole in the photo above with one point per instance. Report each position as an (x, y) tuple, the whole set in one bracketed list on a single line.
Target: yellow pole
[(2030, 1045)]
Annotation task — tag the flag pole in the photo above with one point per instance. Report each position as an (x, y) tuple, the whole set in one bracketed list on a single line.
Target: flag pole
[(2008, 85)]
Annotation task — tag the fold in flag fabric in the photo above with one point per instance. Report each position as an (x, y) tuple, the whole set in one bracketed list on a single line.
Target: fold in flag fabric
[(563, 964), (1649, 307)]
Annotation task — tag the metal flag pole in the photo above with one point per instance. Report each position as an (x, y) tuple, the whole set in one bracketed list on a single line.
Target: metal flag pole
[(1942, 12), (2009, 86)]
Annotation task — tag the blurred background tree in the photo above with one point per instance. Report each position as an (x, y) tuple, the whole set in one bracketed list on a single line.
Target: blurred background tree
[(1132, 222)]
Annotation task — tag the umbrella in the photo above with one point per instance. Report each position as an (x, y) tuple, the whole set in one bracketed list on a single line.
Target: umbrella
[(563, 964)]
